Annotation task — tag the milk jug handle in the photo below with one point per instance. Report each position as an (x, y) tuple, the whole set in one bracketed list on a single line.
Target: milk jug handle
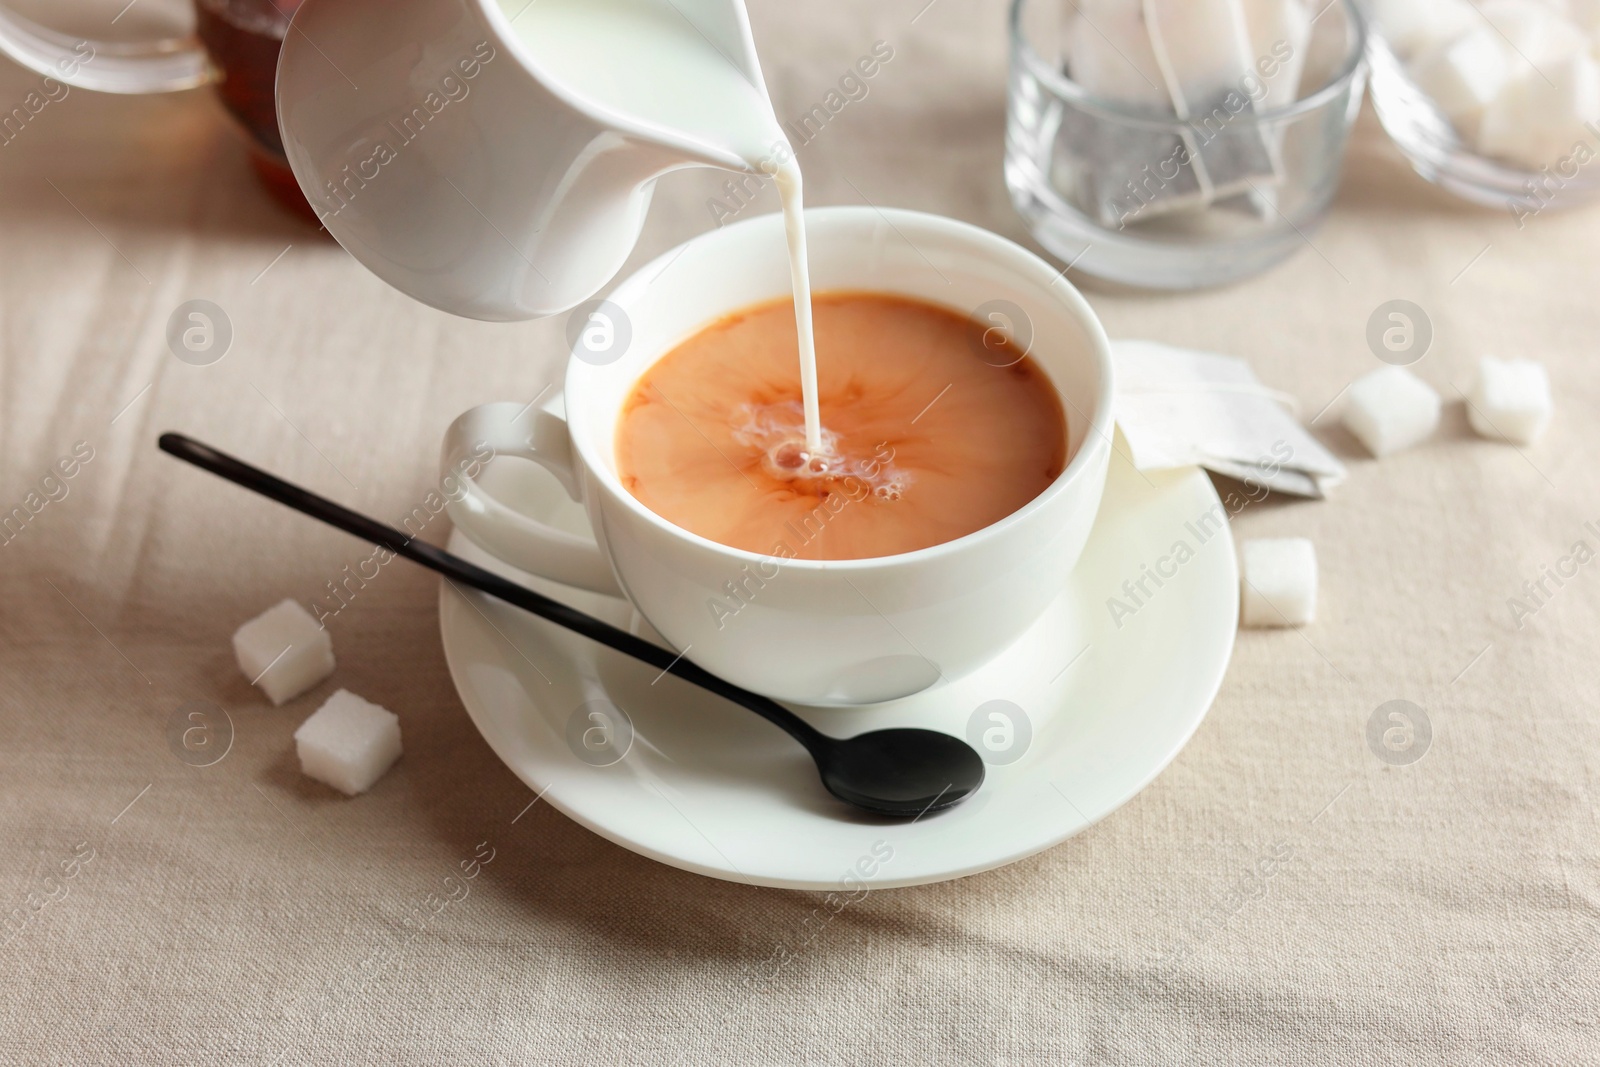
[(162, 66)]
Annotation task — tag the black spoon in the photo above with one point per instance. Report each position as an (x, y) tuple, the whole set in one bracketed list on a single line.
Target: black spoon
[(901, 773)]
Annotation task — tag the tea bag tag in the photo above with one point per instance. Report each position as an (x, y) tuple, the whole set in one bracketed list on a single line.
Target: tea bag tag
[(1177, 407)]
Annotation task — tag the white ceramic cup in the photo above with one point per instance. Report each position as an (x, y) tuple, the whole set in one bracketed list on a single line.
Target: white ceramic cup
[(837, 632)]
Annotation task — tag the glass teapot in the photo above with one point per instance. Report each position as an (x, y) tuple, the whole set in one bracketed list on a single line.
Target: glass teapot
[(234, 47)]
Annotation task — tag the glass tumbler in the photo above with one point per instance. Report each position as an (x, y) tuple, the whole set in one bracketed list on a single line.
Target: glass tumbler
[(1151, 200)]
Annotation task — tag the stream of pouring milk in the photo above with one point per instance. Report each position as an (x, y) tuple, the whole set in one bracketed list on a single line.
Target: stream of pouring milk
[(645, 59)]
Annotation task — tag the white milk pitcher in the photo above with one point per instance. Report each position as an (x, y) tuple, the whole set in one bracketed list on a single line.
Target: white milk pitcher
[(495, 158)]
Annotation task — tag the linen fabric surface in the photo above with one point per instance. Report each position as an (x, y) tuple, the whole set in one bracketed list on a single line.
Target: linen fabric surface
[(1282, 893)]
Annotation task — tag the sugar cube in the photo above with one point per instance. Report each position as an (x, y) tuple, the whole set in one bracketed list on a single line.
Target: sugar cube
[(1537, 119), (284, 651), (348, 743), (1279, 582), (1463, 77), (1585, 14), (1391, 409), (1413, 26), (1539, 35), (1510, 400)]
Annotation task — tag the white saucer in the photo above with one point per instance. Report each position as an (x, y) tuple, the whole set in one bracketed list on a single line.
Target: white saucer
[(1109, 699)]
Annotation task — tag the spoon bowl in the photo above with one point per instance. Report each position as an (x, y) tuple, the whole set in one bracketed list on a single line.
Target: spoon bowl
[(903, 773)]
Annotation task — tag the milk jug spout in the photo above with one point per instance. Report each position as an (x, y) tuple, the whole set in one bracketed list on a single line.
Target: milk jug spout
[(495, 158)]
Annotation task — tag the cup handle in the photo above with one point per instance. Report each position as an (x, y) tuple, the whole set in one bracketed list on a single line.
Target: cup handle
[(538, 434), (105, 66)]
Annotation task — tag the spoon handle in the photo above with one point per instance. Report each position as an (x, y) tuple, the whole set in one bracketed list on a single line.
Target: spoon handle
[(456, 569)]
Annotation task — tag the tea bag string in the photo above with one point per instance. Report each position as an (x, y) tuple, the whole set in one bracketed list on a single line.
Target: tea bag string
[(1180, 103), (1169, 73)]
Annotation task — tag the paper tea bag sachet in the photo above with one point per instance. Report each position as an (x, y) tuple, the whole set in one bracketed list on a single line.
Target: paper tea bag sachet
[(1109, 53), (1189, 59), (1178, 407)]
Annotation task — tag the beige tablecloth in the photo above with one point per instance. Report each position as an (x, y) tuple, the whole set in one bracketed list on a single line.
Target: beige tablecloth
[(1442, 912)]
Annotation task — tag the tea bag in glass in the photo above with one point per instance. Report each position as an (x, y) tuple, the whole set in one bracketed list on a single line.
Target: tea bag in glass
[(1189, 59)]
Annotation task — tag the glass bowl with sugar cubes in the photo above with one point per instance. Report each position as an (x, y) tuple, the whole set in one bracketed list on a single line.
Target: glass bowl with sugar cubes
[(1497, 101), (1178, 144)]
